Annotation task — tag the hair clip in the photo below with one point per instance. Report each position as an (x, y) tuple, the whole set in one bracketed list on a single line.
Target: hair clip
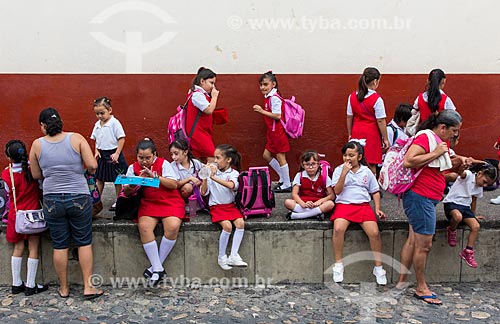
[(53, 116), (20, 150), (360, 141)]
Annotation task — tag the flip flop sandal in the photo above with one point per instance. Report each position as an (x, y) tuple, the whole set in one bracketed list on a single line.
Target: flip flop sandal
[(426, 297)]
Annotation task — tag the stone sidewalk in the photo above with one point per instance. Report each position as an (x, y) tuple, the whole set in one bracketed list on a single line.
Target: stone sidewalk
[(355, 303)]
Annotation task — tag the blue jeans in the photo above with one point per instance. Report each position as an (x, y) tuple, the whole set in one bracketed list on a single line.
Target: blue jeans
[(68, 216), (421, 212)]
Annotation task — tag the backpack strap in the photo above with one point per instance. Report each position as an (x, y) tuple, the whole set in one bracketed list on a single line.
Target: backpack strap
[(265, 191), (253, 182), (190, 135), (394, 132)]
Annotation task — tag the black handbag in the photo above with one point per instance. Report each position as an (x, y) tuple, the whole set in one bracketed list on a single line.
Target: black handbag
[(127, 207)]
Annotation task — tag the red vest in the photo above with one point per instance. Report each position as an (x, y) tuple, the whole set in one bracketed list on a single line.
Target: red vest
[(311, 190), (425, 110), (360, 114), (28, 195), (204, 124), (271, 123)]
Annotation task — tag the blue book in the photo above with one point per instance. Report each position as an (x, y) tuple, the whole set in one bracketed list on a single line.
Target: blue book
[(140, 181)]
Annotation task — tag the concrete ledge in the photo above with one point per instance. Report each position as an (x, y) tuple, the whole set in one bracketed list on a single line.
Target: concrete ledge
[(277, 251)]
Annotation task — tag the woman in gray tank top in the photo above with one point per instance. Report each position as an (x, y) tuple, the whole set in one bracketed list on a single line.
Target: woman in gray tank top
[(58, 159)]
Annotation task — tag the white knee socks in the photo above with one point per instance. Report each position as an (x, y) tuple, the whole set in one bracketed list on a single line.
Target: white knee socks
[(285, 174), (223, 241), (276, 167), (237, 238), (151, 250), (16, 270), (32, 266), (166, 247), (299, 212)]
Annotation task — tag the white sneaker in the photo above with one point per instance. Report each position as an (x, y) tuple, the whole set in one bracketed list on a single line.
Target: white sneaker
[(379, 273), (495, 201), (223, 263), (236, 261), (338, 272)]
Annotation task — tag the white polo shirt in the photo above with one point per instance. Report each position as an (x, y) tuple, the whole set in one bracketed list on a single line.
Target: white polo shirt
[(106, 136), (296, 180), (220, 194), (181, 172), (379, 106), (199, 99), (463, 189), (166, 171), (357, 186)]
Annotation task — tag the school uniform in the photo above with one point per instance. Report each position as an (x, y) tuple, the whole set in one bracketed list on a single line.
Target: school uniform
[(364, 124), (394, 132), (159, 202), (202, 143), (421, 104), (28, 196), (182, 173), (353, 203), (106, 140), (460, 195), (276, 137), (311, 189), (221, 200)]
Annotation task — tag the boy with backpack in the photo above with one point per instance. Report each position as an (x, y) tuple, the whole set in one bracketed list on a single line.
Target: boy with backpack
[(395, 128)]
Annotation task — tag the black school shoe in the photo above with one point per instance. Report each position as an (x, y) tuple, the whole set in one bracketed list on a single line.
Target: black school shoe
[(280, 189), (35, 290), (18, 289)]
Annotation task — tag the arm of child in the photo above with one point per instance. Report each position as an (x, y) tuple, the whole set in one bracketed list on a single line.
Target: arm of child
[(473, 204), (36, 171), (349, 127), (116, 155), (330, 196), (496, 146), (339, 186), (382, 126), (376, 202), (296, 197), (269, 114)]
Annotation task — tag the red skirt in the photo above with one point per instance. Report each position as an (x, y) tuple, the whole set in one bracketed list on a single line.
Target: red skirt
[(11, 235), (373, 147), (202, 144), (356, 213), (277, 140), (224, 212), (153, 208)]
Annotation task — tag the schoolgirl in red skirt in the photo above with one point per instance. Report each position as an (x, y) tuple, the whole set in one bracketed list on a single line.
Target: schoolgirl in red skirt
[(353, 183), (312, 193), (201, 104), (276, 138), (28, 195), (163, 204), (221, 186)]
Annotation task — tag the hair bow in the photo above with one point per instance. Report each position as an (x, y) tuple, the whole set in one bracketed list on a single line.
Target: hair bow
[(361, 141)]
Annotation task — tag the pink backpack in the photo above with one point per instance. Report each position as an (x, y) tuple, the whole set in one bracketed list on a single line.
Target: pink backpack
[(177, 123), (394, 177), (254, 196), (293, 123)]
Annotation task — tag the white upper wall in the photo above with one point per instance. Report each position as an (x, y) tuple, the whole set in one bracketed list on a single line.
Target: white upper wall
[(287, 36)]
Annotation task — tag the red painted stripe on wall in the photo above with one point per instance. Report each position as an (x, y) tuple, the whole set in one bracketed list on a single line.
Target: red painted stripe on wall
[(143, 103)]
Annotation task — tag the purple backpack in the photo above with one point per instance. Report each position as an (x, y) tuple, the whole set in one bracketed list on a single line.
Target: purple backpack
[(254, 196), (293, 121), (177, 123)]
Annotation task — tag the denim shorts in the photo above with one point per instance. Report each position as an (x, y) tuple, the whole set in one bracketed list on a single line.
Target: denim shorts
[(68, 216), (421, 212)]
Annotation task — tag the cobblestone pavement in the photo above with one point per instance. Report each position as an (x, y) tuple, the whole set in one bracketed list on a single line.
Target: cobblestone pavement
[(331, 303)]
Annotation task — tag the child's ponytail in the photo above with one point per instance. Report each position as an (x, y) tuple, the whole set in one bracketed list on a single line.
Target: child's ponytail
[(369, 74), (203, 74), (433, 89), (16, 151)]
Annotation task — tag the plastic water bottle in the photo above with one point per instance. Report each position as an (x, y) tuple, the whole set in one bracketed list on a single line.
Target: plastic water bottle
[(193, 206), (204, 172)]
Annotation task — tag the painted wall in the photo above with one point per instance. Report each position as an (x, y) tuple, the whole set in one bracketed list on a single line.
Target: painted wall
[(143, 53), (143, 103)]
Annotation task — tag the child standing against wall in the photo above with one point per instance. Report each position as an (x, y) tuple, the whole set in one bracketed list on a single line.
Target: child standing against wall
[(109, 139)]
